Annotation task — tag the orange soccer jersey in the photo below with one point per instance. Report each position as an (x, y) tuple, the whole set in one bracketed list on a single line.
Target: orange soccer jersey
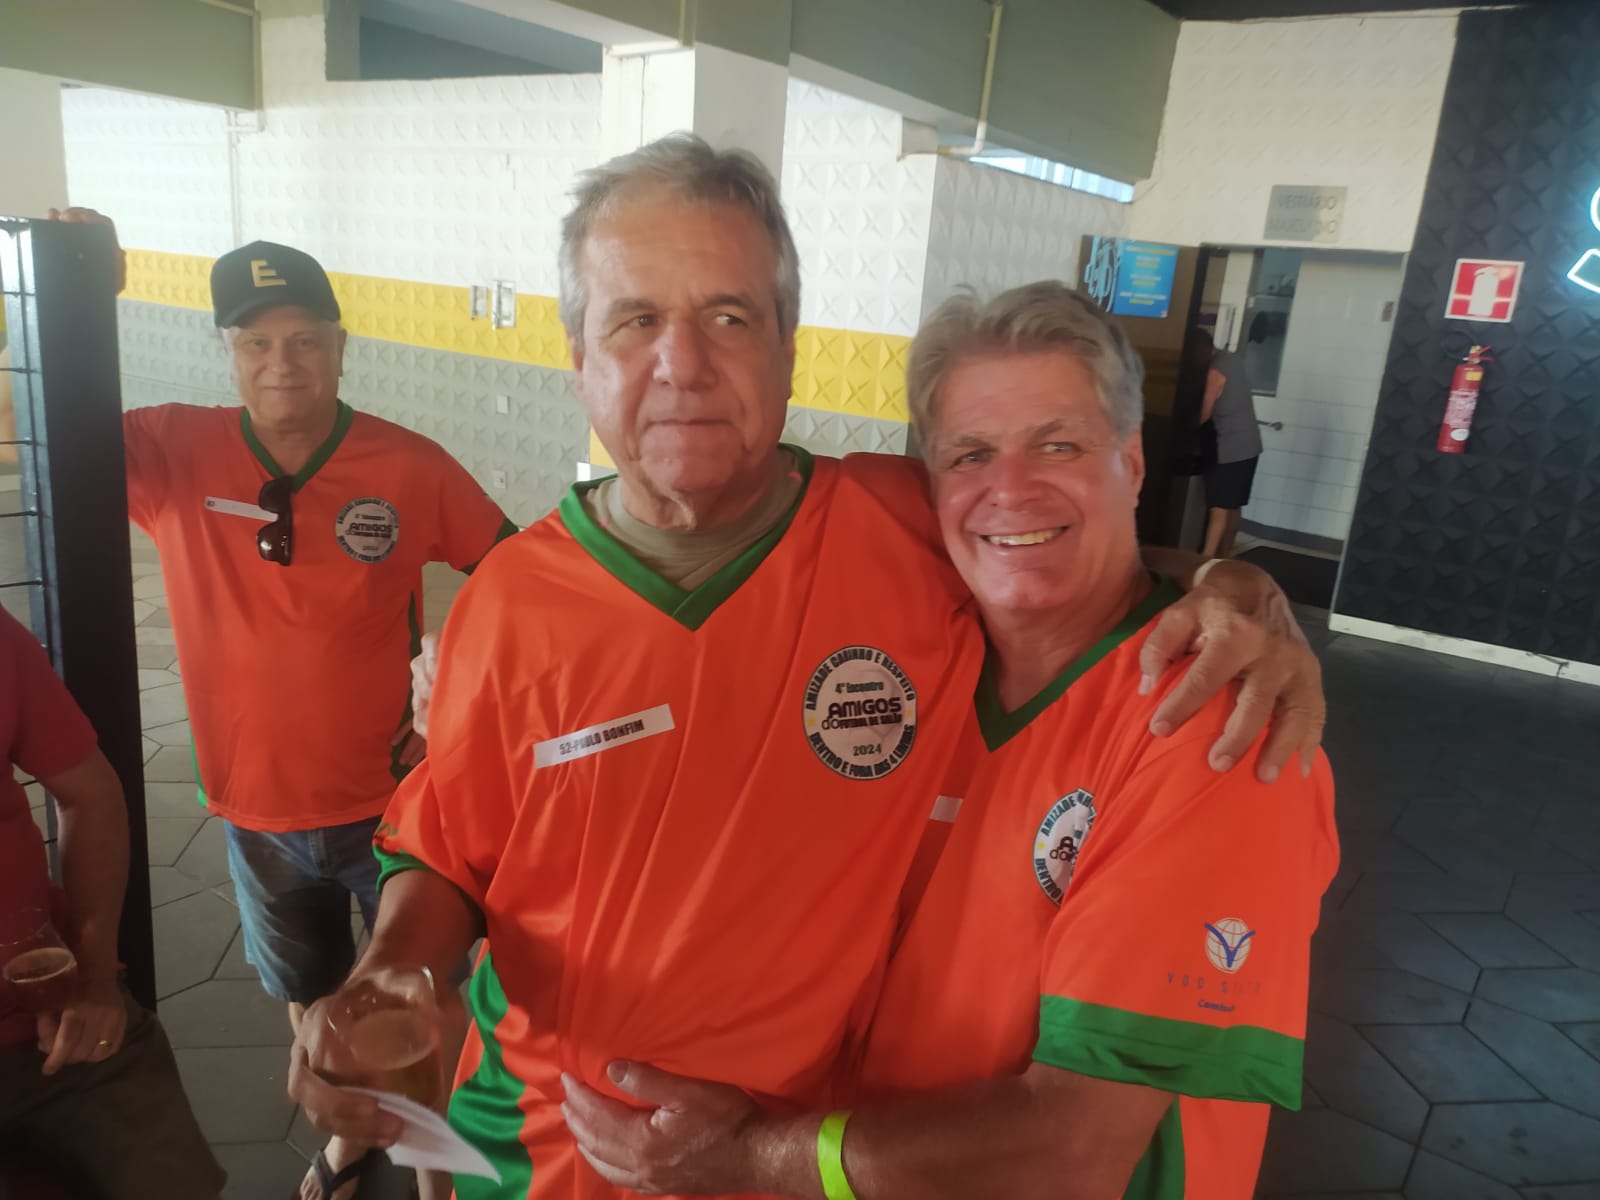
[(687, 817), (298, 676), (1109, 905)]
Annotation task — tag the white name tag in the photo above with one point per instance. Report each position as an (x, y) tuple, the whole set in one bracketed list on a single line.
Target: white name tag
[(238, 508), (595, 738), (945, 809)]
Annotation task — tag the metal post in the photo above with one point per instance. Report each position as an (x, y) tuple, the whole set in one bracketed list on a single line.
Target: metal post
[(61, 314)]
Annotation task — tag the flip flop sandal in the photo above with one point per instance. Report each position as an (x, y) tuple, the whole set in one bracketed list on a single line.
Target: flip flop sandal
[(330, 1181)]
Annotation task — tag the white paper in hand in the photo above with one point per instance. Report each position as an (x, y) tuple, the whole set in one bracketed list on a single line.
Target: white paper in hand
[(427, 1142)]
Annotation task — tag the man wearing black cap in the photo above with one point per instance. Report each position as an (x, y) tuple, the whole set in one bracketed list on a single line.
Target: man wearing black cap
[(292, 534)]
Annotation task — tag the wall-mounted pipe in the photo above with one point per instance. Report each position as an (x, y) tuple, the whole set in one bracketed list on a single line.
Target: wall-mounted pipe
[(982, 134)]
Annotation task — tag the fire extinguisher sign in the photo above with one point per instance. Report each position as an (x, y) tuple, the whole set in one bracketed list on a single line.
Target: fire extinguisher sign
[(1484, 289)]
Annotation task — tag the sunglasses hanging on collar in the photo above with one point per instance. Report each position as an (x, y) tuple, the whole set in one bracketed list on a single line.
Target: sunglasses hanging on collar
[(276, 541)]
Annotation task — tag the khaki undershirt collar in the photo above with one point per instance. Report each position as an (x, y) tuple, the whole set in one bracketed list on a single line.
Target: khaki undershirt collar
[(688, 558)]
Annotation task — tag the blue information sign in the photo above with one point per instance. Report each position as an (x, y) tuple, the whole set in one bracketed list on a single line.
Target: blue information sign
[(1144, 279)]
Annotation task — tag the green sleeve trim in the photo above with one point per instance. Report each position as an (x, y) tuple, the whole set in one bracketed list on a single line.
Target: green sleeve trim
[(999, 726), (391, 863), (1244, 1062), (690, 609), (199, 784), (484, 1109), (342, 421), (1162, 1171), (508, 527)]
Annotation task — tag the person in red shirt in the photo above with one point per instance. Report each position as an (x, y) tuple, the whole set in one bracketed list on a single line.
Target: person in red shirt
[(92, 1088)]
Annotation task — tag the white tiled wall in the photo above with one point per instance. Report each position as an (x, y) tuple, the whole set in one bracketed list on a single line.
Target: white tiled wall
[(1342, 101), (1327, 392), (995, 229), (859, 212), (159, 168), (457, 182), (448, 181), (464, 181)]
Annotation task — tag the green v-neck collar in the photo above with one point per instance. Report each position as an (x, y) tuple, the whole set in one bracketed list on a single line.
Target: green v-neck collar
[(341, 426), (690, 609), (999, 726)]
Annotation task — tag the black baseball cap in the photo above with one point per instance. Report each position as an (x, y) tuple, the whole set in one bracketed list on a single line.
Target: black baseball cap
[(265, 275)]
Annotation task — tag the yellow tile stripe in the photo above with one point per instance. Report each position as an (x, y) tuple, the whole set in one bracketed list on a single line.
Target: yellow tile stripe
[(836, 370), (429, 315), (857, 374)]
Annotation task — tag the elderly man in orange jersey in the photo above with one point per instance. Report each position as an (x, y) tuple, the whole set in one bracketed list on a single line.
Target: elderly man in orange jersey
[(293, 530)]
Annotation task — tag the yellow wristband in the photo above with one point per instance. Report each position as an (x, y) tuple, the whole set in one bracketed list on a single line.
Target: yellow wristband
[(830, 1156)]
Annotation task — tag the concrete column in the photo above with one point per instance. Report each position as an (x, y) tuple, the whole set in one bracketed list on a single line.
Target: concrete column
[(731, 100), (33, 161)]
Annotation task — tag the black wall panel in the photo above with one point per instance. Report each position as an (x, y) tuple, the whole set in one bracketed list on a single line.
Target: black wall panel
[(1500, 544)]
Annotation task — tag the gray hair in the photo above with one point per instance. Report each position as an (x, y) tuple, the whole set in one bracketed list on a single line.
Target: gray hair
[(1036, 317), (688, 167)]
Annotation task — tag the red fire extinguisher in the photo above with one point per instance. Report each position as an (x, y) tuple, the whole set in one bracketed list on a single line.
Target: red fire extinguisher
[(1457, 426)]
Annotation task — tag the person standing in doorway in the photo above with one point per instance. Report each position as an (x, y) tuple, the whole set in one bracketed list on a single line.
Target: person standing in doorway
[(1231, 468)]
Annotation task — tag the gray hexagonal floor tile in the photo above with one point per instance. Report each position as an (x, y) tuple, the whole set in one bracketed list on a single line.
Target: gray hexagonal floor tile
[(1517, 1143), (226, 1012), (191, 935), (1324, 1150), (1446, 1063), (238, 1092)]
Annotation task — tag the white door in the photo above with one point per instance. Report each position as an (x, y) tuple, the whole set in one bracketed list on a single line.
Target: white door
[(1333, 360)]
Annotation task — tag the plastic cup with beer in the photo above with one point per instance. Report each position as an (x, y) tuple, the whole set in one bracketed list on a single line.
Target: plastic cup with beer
[(39, 969), (387, 1023)]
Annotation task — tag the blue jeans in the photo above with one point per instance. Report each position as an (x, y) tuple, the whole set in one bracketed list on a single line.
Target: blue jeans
[(294, 894)]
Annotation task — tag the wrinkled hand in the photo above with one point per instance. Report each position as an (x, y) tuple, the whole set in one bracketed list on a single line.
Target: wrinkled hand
[(423, 669), (693, 1142), (1240, 626), (415, 745), (88, 1030), (316, 1056), (89, 216), (76, 215)]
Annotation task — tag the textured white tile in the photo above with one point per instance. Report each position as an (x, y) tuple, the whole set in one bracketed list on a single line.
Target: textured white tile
[(838, 435), (859, 212), (441, 181), (994, 229), (158, 167), (1347, 101)]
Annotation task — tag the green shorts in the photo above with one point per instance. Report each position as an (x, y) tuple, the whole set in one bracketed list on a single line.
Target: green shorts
[(121, 1129)]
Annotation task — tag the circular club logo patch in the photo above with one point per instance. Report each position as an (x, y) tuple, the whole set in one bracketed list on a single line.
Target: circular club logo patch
[(1228, 943), (367, 529), (1060, 837), (860, 713)]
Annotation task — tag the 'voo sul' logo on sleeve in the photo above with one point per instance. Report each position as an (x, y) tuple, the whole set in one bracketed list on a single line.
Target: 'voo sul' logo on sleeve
[(367, 529)]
